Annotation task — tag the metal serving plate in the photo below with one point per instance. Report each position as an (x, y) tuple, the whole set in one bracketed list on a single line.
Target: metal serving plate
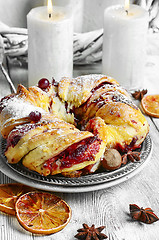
[(87, 183)]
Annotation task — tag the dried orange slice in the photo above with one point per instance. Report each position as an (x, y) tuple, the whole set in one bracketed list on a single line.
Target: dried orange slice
[(9, 193), (150, 105), (42, 212)]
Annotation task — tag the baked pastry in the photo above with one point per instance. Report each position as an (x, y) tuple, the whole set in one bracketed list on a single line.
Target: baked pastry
[(65, 127), (53, 146), (126, 126), (15, 109)]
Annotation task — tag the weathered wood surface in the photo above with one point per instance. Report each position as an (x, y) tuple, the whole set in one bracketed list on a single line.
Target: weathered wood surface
[(109, 207)]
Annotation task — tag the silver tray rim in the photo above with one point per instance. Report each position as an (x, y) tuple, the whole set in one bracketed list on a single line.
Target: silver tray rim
[(87, 183)]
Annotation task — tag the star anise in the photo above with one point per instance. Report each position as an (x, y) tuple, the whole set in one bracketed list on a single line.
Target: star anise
[(90, 233), (130, 156), (143, 215), (138, 95)]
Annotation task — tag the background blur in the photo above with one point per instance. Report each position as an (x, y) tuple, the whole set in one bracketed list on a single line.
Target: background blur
[(88, 14)]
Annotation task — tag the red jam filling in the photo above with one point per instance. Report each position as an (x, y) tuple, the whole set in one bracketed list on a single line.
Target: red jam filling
[(101, 85), (87, 103), (17, 133), (100, 101), (133, 121), (127, 147), (82, 151)]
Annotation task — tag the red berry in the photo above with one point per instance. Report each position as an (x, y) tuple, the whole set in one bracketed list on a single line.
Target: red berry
[(43, 83), (35, 116), (15, 140)]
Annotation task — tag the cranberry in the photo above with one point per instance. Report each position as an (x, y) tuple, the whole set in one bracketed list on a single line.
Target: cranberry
[(15, 140), (43, 83), (35, 116)]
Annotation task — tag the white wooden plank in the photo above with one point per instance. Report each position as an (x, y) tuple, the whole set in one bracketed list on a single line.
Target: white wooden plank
[(156, 122)]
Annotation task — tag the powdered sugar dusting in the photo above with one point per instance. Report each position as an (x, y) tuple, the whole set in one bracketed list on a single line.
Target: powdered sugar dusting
[(86, 81), (118, 97), (18, 108), (79, 88)]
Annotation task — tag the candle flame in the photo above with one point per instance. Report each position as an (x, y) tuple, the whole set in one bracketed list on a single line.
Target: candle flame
[(49, 7), (127, 5)]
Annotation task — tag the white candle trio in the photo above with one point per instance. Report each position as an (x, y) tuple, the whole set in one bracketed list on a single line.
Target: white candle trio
[(124, 44), (50, 38)]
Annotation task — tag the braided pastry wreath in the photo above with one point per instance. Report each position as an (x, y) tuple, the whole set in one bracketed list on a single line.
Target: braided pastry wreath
[(66, 127)]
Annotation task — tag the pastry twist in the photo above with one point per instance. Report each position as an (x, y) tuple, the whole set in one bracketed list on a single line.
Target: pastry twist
[(79, 119)]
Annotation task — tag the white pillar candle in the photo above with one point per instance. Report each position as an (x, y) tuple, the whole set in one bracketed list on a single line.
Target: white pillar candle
[(76, 7), (124, 44), (50, 50)]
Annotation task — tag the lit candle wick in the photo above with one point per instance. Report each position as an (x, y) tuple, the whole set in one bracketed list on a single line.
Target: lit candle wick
[(127, 5), (49, 6)]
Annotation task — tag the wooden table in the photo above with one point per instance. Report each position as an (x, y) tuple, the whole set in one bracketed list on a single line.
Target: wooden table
[(109, 207)]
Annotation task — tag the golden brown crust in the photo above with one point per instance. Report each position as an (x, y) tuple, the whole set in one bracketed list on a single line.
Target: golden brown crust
[(44, 132), (124, 124), (16, 112), (73, 174), (23, 93), (98, 98), (42, 99), (102, 107), (15, 109), (52, 149), (77, 90), (60, 143), (9, 125)]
